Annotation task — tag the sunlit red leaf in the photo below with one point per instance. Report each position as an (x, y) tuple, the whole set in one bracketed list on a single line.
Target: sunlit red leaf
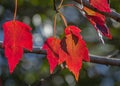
[(16, 37), (101, 5), (52, 46), (73, 50), (74, 30), (98, 21)]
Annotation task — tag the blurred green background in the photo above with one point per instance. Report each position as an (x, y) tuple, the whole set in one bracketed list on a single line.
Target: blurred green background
[(33, 68)]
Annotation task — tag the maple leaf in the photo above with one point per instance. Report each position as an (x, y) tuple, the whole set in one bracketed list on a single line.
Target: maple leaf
[(98, 21), (73, 50), (52, 46), (101, 5), (16, 37)]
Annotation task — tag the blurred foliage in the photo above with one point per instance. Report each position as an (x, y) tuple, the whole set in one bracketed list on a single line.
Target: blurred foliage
[(39, 15)]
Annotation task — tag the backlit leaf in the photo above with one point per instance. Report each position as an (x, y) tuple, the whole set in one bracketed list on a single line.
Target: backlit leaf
[(98, 21), (52, 46), (16, 37), (101, 5), (73, 50)]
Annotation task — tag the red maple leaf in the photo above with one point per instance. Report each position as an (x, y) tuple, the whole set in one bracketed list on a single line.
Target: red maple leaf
[(101, 5), (52, 46), (16, 37), (98, 21), (73, 50)]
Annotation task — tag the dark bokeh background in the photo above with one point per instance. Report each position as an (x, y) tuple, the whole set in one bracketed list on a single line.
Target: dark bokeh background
[(33, 67)]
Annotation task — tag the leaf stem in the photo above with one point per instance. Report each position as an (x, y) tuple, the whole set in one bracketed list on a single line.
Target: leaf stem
[(15, 12), (63, 18), (60, 5), (55, 18)]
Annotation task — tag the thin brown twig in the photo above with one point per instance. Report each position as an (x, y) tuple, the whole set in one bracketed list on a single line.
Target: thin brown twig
[(60, 5), (113, 54)]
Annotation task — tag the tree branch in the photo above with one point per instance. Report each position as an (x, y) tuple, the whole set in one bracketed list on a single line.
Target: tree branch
[(93, 58), (104, 60), (114, 15)]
